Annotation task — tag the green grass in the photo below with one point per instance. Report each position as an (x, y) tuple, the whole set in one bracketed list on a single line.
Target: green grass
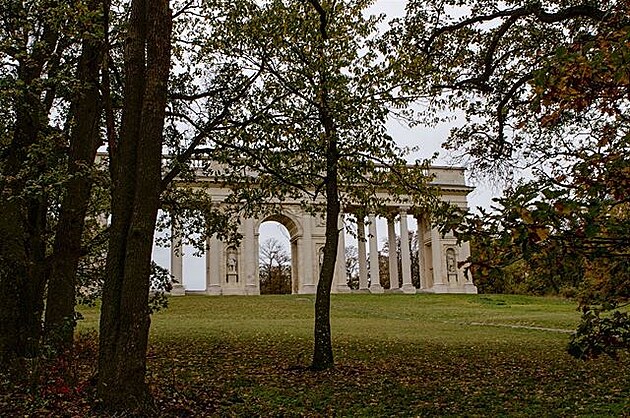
[(396, 355)]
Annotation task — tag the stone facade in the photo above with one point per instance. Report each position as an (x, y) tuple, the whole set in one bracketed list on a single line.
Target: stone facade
[(232, 270)]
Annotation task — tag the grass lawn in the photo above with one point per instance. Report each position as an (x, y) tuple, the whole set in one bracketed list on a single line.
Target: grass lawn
[(396, 355)]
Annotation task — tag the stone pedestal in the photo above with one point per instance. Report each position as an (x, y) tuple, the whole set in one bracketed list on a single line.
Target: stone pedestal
[(177, 290), (470, 288), (439, 288), (252, 289), (308, 289), (214, 290), (408, 288)]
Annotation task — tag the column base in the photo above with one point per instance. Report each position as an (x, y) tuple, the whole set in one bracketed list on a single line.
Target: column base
[(214, 290), (234, 291), (439, 288), (341, 289), (395, 290), (470, 288), (308, 289), (364, 290), (376, 288), (177, 290), (408, 289), (252, 289), (195, 292)]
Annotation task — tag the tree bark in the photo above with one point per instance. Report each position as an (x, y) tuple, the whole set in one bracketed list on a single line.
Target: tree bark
[(323, 353), (84, 142), (23, 220), (136, 175)]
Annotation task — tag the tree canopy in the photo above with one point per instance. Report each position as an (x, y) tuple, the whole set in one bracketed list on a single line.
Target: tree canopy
[(544, 86)]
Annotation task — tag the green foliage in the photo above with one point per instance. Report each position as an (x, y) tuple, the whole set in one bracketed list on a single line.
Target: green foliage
[(537, 82), (543, 86), (284, 144), (161, 283), (597, 334)]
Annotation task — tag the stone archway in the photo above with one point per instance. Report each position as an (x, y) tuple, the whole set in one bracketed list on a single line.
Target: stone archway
[(294, 230)]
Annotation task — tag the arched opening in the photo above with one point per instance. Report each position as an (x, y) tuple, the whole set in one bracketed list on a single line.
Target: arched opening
[(277, 273)]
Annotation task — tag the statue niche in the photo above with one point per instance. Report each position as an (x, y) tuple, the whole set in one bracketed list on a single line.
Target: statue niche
[(451, 265), (231, 264)]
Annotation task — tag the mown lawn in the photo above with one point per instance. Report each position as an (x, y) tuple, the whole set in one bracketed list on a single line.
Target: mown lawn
[(396, 355)]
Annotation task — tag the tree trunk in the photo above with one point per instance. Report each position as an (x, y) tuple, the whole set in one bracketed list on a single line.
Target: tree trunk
[(13, 275), (23, 220), (84, 142), (323, 354), (136, 175)]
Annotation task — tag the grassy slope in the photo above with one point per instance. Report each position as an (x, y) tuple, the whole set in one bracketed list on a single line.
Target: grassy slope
[(396, 355)]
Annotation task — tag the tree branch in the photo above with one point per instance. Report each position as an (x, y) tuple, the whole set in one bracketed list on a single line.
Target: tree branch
[(323, 18)]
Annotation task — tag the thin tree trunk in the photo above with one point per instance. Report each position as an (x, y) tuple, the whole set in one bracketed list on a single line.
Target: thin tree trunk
[(84, 142), (323, 353), (136, 174)]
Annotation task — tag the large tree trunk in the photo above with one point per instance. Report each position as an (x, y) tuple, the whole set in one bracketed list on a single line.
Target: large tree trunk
[(13, 275), (84, 142), (136, 175), (22, 252), (23, 220)]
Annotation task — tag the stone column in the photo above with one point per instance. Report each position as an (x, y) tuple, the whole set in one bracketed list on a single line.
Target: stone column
[(436, 254), (421, 260), (214, 266), (375, 284), (257, 254), (393, 254), (305, 257), (177, 262), (363, 274), (340, 283), (251, 258), (405, 255)]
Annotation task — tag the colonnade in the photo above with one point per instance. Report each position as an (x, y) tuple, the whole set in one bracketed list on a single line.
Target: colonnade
[(234, 269)]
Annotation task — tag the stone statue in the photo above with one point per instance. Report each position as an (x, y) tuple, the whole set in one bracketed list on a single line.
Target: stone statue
[(451, 267), (232, 262)]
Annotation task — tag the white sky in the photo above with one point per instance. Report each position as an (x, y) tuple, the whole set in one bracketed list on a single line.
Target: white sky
[(429, 141)]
